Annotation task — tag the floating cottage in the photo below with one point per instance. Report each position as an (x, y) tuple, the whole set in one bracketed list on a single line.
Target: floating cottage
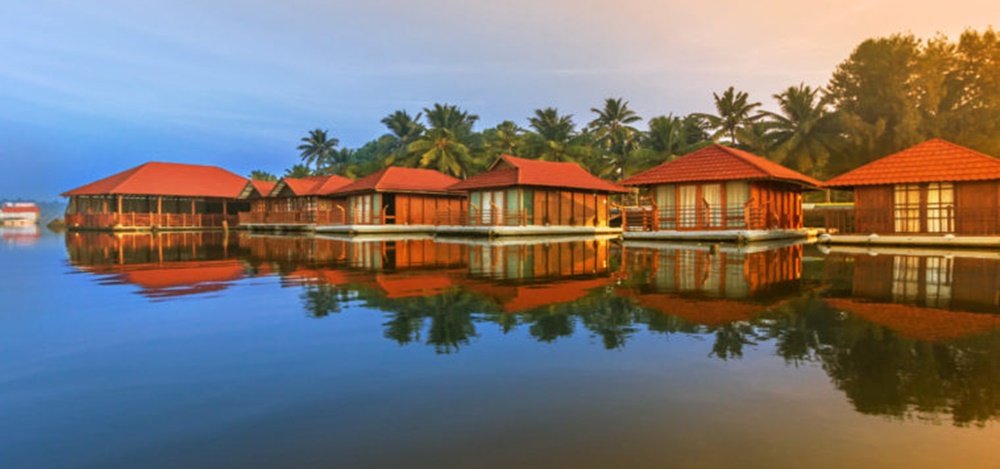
[(295, 203), (397, 200), (719, 193), (165, 196), (922, 195), (517, 196)]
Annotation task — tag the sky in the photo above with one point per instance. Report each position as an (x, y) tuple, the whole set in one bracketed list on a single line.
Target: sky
[(91, 88)]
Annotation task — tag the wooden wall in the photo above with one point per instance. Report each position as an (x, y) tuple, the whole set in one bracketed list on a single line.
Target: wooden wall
[(873, 209), (977, 207), (421, 209), (569, 208)]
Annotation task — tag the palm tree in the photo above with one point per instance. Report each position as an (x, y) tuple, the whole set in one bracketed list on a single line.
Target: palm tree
[(757, 137), (317, 147), (444, 146), (504, 138), (298, 171), (261, 175), (554, 137), (404, 130), (804, 131), (614, 134), (733, 111)]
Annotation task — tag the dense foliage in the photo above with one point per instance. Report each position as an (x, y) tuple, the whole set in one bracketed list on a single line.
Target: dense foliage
[(891, 93)]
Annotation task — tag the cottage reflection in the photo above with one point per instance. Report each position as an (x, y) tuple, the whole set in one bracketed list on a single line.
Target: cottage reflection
[(164, 265), (932, 296), (710, 286)]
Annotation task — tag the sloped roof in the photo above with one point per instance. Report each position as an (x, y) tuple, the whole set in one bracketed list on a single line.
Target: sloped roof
[(935, 160), (263, 187), (525, 172), (312, 185), (398, 179), (170, 179), (256, 188), (719, 163)]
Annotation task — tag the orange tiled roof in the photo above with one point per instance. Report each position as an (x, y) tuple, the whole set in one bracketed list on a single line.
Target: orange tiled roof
[(935, 160), (312, 185), (719, 163), (525, 172), (263, 187), (398, 179), (170, 179)]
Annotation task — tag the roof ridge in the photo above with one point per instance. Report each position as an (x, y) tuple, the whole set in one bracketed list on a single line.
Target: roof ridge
[(744, 158)]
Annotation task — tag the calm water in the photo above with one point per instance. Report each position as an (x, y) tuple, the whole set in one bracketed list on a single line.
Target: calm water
[(194, 350)]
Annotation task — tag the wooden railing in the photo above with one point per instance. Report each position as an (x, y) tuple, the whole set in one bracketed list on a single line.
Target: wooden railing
[(969, 222), (149, 220), (651, 218)]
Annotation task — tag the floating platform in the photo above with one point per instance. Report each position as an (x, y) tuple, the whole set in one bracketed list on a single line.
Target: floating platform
[(277, 227), (496, 231), (916, 240), (918, 251), (726, 247), (729, 236), (523, 240), (375, 229)]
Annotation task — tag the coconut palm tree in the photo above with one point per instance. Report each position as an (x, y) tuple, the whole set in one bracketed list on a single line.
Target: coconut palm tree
[(733, 111), (804, 130), (503, 139), (614, 134), (298, 171), (261, 175), (403, 130), (445, 145), (554, 137), (317, 147)]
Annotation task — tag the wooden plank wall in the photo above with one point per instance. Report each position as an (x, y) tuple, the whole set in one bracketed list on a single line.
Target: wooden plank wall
[(977, 206), (569, 208), (870, 201), (420, 209)]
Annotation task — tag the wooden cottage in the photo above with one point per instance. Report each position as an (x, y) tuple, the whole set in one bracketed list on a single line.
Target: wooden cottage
[(158, 195), (400, 196), (936, 187), (719, 192), (524, 193), (296, 202)]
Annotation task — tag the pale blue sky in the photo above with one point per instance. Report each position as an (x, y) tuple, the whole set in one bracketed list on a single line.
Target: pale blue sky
[(89, 88)]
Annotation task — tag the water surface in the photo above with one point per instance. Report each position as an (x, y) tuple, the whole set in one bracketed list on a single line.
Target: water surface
[(201, 350)]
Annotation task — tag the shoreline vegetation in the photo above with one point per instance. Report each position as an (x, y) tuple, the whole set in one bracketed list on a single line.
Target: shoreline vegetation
[(889, 94)]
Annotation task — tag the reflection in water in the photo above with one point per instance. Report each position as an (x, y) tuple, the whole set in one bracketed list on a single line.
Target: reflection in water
[(900, 336), (21, 235), (163, 265)]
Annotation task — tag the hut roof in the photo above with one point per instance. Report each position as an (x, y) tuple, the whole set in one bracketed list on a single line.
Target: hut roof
[(312, 185), (935, 160), (719, 163), (169, 179), (397, 179), (508, 171)]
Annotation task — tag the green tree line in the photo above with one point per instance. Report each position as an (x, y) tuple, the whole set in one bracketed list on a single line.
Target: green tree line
[(889, 94)]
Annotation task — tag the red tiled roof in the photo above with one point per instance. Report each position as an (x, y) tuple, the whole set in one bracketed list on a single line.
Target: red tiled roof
[(312, 185), (719, 163), (935, 160), (170, 179), (398, 179), (263, 187), (525, 172)]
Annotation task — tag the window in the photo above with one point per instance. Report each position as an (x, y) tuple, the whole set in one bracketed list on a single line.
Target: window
[(737, 196), (667, 207), (906, 208), (687, 207), (940, 207), (711, 195)]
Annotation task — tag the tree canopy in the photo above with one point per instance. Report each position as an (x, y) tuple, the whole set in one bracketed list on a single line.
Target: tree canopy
[(889, 94)]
